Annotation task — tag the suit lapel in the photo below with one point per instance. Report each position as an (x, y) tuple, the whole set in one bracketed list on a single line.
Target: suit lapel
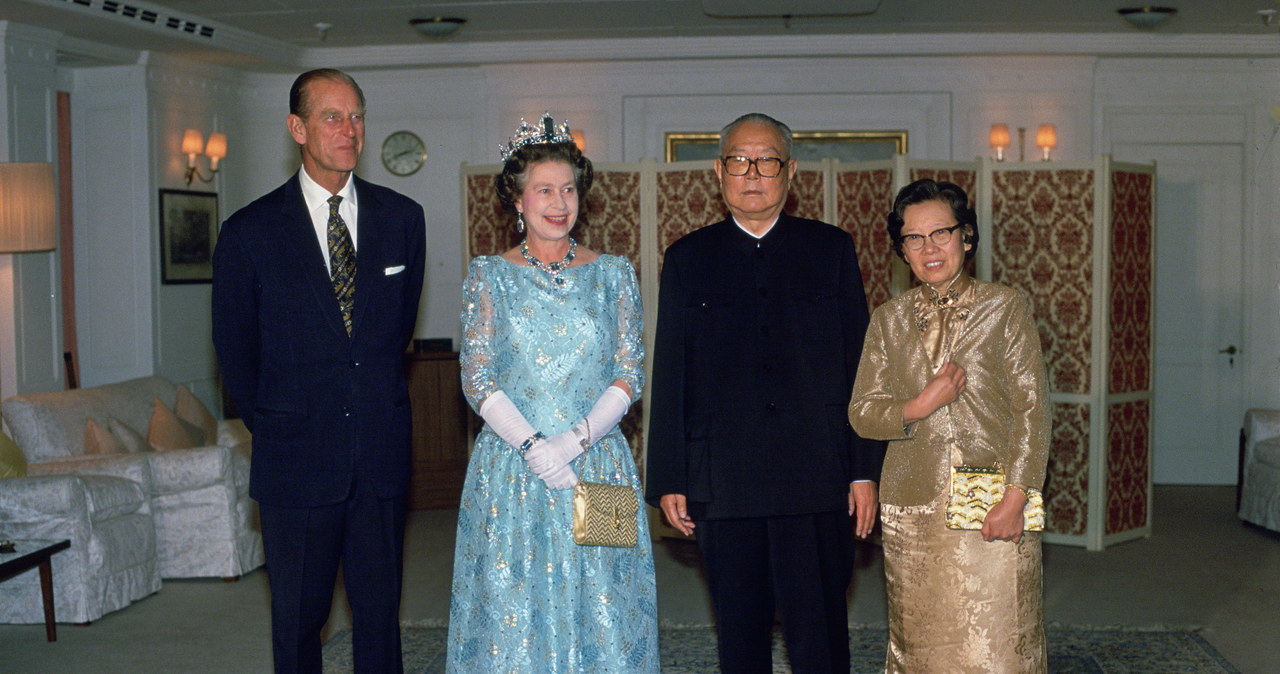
[(367, 253), (300, 234)]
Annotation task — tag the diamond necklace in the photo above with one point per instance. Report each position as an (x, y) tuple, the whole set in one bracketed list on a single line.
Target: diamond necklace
[(555, 269)]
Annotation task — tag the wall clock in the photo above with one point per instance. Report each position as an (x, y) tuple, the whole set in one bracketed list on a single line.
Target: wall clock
[(403, 153)]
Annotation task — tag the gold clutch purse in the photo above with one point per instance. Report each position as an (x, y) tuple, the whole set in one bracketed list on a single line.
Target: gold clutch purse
[(975, 489), (605, 514)]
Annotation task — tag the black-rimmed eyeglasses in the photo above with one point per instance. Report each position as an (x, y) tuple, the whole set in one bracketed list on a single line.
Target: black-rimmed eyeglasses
[(766, 167), (939, 237)]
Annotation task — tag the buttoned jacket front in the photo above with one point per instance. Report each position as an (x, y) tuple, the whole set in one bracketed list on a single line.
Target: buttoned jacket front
[(756, 349)]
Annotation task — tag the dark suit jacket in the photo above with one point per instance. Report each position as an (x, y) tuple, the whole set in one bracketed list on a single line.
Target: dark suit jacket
[(322, 406), (754, 361)]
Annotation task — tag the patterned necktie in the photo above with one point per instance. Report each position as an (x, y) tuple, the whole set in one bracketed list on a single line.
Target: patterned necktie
[(342, 262)]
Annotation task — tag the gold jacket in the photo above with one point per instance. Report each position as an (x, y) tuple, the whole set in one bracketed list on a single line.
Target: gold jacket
[(1002, 417)]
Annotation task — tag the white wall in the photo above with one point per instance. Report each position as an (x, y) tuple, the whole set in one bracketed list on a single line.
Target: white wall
[(129, 120)]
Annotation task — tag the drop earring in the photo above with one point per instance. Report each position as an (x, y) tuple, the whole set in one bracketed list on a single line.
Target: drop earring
[(520, 222)]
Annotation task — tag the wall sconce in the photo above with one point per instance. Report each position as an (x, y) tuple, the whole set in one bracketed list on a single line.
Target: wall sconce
[(28, 208), (579, 139), (193, 144), (999, 139), (1046, 139)]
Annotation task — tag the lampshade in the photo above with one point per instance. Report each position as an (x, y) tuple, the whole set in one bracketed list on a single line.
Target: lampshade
[(28, 208), (1046, 136), (216, 149), (437, 27), (192, 142), (999, 135)]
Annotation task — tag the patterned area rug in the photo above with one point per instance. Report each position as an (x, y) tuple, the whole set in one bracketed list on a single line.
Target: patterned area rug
[(692, 650)]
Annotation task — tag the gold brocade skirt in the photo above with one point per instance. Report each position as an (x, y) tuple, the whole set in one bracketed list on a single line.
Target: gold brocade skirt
[(958, 603)]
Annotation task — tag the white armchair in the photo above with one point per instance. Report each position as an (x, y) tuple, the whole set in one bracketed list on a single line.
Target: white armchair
[(205, 522), (1260, 487), (107, 517)]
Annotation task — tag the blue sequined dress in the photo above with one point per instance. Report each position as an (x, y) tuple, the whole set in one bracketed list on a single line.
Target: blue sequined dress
[(526, 598)]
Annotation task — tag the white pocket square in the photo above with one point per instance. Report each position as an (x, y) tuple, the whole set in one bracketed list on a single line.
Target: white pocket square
[(393, 270)]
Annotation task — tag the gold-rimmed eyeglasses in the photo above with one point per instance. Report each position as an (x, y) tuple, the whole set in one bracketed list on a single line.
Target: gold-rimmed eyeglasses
[(939, 237), (766, 167)]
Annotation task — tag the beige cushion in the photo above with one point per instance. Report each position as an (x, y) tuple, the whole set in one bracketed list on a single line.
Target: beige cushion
[(1268, 452), (132, 440), (166, 431), (13, 463), (99, 440), (232, 433), (189, 409)]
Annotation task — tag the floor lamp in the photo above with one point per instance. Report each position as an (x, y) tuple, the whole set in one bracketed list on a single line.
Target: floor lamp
[(28, 224)]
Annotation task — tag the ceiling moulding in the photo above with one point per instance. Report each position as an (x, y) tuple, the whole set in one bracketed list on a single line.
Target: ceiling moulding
[(191, 28), (647, 49), (734, 9), (74, 51)]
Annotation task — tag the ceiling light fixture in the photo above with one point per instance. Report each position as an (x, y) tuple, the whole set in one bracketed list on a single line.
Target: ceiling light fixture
[(1147, 17), (437, 27)]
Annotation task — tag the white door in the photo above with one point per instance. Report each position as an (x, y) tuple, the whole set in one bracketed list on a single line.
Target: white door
[(1198, 313)]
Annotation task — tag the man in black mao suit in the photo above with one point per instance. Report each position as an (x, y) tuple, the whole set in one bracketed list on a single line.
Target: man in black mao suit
[(761, 319), (317, 373)]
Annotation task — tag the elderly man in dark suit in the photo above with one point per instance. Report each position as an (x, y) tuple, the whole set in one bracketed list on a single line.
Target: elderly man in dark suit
[(315, 297), (761, 319)]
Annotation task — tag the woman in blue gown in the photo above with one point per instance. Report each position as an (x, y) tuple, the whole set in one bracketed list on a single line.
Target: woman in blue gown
[(551, 359)]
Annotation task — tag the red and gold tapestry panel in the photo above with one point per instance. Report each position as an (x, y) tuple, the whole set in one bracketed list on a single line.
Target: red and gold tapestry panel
[(967, 179), (613, 216), (807, 197), (1042, 242), (1066, 488), (687, 200), (1128, 465), (490, 230), (863, 199), (1132, 239)]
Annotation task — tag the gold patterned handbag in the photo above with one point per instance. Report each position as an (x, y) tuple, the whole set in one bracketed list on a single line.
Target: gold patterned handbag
[(605, 514), (975, 490)]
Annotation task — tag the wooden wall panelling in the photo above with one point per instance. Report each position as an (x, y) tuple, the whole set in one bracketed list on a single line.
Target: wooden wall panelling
[(442, 430)]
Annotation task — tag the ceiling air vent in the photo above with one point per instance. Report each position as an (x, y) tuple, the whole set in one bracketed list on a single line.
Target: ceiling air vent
[(155, 17)]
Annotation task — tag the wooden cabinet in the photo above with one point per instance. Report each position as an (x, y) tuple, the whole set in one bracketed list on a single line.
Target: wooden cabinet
[(442, 430)]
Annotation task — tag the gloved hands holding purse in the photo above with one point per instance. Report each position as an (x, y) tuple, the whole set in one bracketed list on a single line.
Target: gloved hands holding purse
[(550, 455), (549, 458)]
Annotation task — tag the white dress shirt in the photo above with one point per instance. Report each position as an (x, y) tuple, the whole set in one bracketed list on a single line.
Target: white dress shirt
[(317, 199)]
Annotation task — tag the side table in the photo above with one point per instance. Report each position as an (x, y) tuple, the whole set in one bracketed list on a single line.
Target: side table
[(28, 555)]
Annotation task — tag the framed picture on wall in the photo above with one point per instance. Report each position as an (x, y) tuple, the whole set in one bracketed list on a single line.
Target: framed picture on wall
[(188, 230), (806, 145)]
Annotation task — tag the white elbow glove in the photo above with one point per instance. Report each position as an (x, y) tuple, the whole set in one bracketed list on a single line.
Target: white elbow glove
[(502, 416), (606, 414)]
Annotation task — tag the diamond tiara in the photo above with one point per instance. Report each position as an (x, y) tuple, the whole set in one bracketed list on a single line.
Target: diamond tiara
[(545, 132)]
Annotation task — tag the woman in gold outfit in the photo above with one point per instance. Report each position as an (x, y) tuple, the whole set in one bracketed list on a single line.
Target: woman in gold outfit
[(951, 374)]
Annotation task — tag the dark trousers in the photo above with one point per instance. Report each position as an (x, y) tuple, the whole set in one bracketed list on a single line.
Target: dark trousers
[(304, 547), (796, 565)]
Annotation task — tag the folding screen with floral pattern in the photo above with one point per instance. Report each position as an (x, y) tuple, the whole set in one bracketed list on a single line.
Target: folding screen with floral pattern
[(1077, 236)]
